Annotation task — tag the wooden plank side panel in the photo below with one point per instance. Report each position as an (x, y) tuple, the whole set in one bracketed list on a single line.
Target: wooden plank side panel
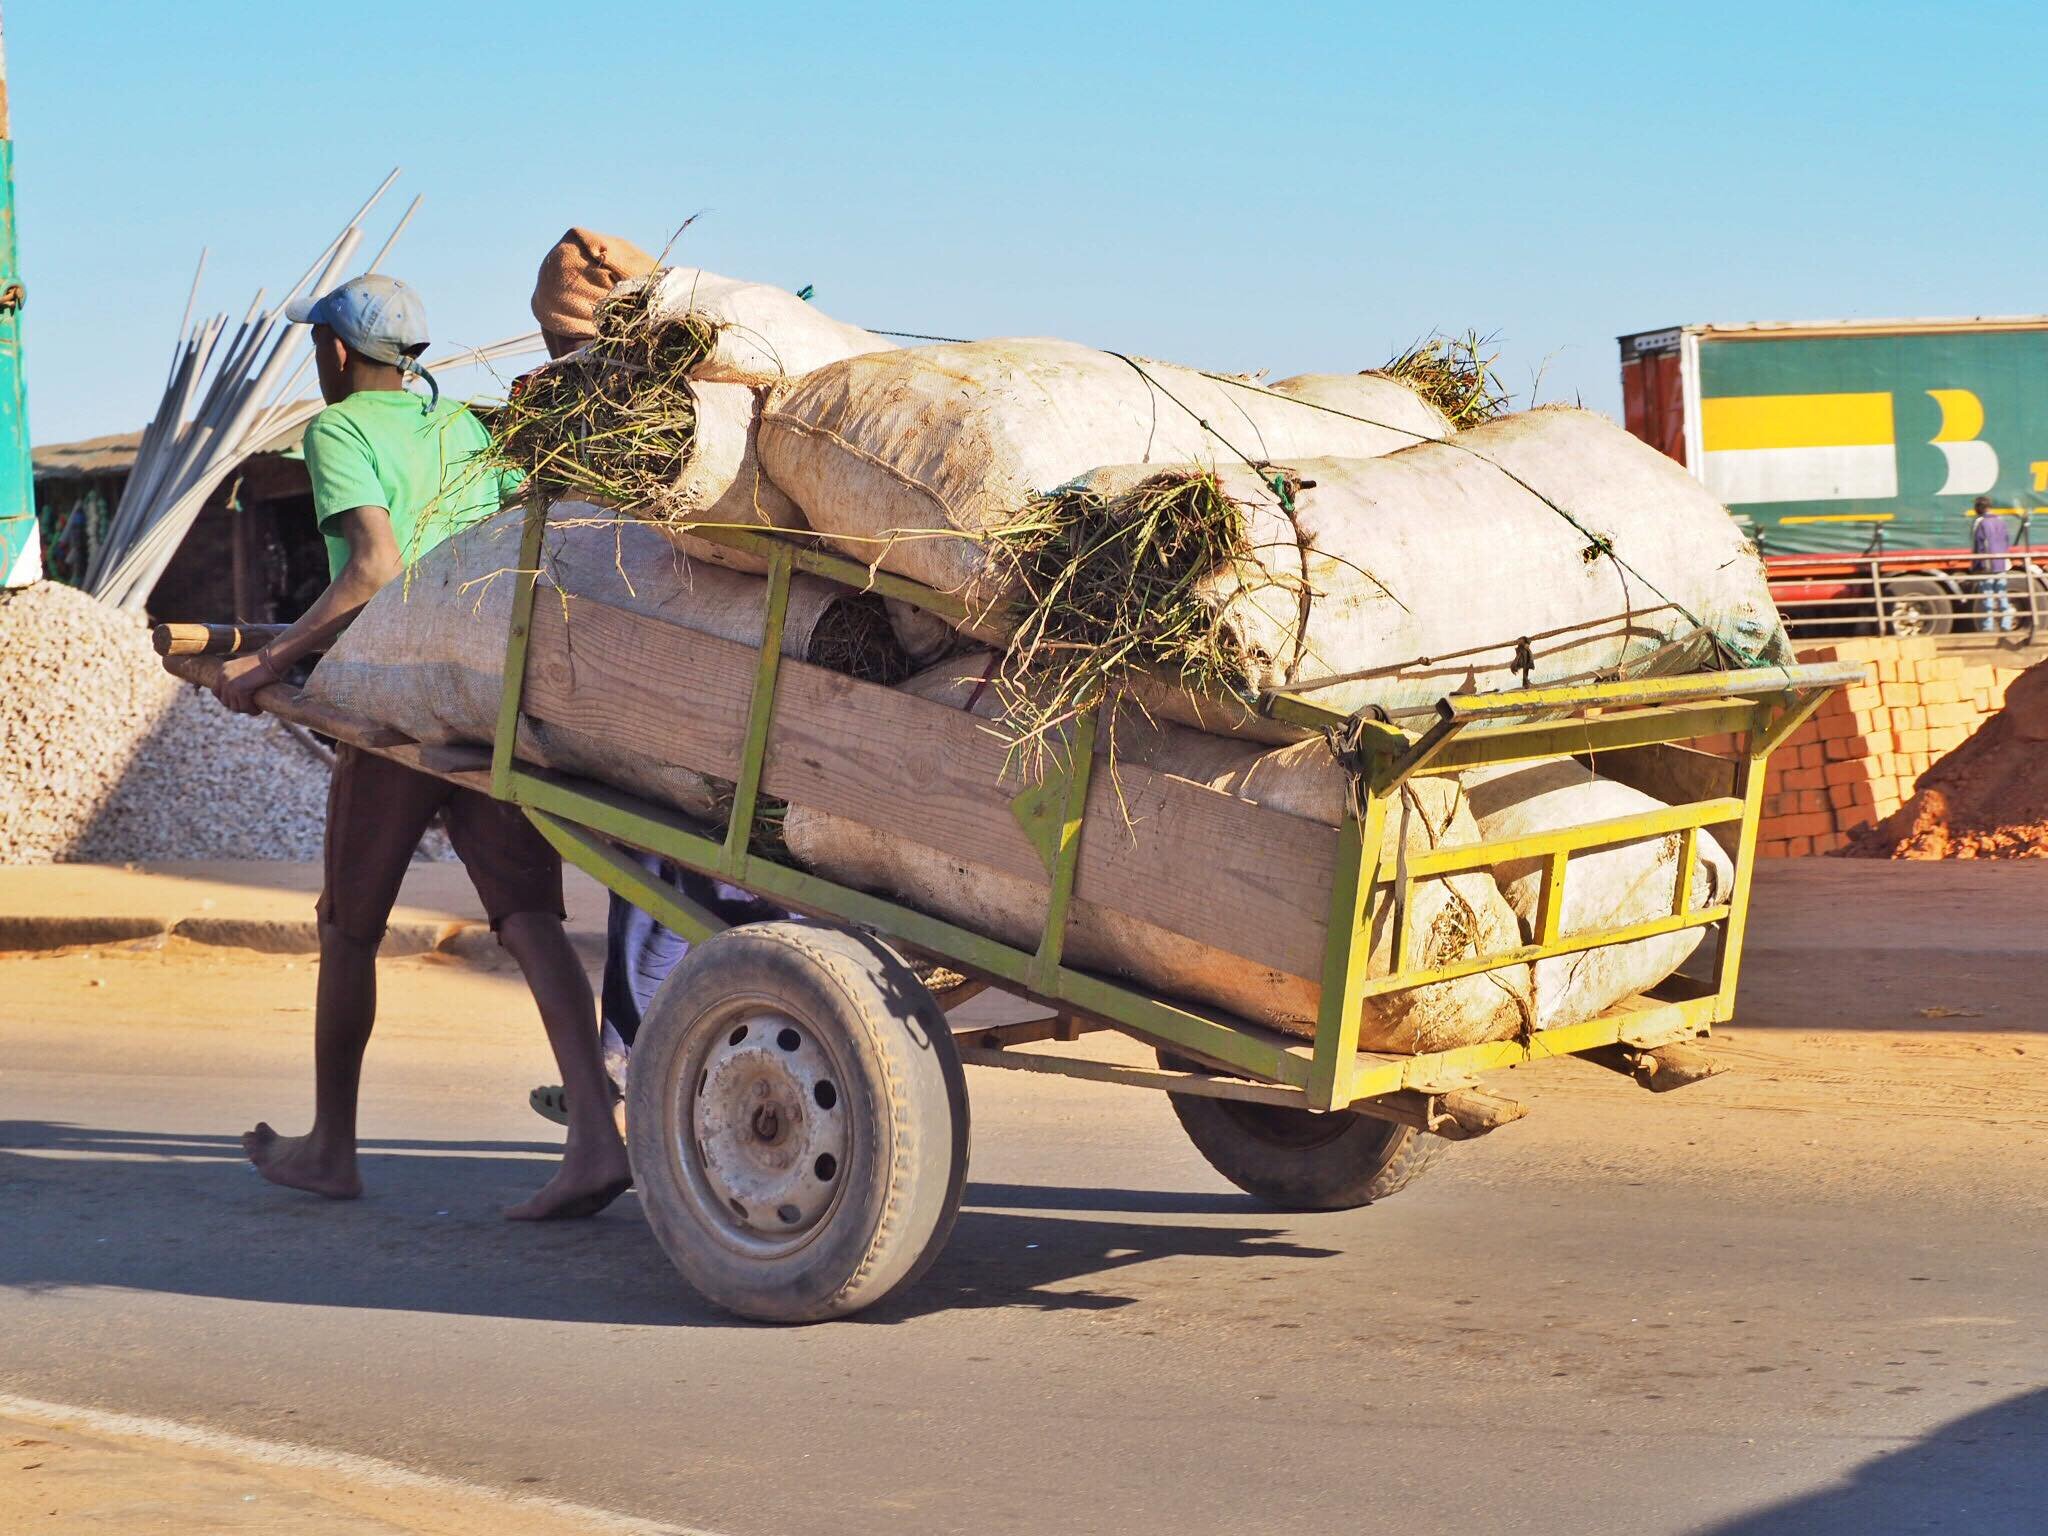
[(902, 764), (1197, 862), (617, 676)]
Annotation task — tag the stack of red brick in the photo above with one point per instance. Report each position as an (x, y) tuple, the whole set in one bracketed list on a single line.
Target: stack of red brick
[(1858, 759)]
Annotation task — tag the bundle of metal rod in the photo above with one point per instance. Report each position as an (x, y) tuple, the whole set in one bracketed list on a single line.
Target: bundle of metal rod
[(198, 435), (224, 400)]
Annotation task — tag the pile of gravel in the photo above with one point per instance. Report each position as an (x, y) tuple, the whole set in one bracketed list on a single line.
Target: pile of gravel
[(106, 757)]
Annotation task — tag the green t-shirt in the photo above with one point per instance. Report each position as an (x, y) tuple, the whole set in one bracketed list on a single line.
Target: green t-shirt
[(428, 468)]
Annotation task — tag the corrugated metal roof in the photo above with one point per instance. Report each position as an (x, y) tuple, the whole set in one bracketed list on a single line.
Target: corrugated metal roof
[(115, 453), (94, 456)]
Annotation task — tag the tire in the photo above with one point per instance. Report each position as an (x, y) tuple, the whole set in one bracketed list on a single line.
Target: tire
[(1300, 1161), (798, 1122), (2029, 601), (1918, 605)]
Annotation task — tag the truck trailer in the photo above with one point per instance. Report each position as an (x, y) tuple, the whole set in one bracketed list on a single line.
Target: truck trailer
[(1856, 450)]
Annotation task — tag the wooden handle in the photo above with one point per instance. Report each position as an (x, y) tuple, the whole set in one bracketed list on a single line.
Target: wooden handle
[(212, 639), (286, 702)]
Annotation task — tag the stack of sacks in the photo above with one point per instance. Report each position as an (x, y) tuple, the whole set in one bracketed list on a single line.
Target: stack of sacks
[(1105, 517), (1378, 563), (1347, 548)]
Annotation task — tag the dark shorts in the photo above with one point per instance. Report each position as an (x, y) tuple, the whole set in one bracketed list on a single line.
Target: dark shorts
[(377, 811)]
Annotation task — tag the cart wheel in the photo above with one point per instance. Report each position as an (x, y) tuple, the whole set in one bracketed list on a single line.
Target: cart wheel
[(798, 1121), (1298, 1160)]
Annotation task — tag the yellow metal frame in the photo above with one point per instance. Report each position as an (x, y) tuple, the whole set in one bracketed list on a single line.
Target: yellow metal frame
[(1762, 706)]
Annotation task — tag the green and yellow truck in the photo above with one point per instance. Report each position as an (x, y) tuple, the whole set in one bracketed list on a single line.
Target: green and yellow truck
[(1856, 450)]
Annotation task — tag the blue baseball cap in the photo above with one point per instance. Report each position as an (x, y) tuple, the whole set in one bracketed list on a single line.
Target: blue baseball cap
[(377, 316)]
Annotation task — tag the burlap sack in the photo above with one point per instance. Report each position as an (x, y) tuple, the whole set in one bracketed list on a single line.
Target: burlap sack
[(1438, 569), (723, 485), (764, 333), (911, 458), (1603, 888), (427, 654)]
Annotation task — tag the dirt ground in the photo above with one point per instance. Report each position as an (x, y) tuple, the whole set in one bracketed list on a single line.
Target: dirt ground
[(1824, 1255), (1946, 1076), (59, 1476), (1839, 1026)]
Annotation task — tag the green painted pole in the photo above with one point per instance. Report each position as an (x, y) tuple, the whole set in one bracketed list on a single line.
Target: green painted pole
[(21, 555)]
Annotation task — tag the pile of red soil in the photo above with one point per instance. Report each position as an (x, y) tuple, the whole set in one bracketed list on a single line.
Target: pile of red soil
[(1988, 799)]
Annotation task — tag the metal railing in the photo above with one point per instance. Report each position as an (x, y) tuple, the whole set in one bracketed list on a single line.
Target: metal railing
[(1911, 594)]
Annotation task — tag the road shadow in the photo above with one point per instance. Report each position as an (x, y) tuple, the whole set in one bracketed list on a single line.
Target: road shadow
[(1129, 1202), (1983, 1473), (161, 1211), (1007, 1259)]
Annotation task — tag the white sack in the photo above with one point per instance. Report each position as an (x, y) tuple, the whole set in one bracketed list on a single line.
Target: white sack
[(426, 655), (1455, 917), (723, 484), (882, 452), (1355, 394), (764, 333), (1423, 570), (1604, 888)]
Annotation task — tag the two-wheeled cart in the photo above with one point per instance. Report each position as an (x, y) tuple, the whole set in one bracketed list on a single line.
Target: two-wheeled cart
[(797, 1109)]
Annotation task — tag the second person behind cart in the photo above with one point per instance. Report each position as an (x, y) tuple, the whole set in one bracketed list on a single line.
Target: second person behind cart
[(576, 276)]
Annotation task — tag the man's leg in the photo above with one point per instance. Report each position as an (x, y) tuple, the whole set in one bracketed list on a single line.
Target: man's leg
[(323, 1160), (594, 1170), (376, 811), (518, 875)]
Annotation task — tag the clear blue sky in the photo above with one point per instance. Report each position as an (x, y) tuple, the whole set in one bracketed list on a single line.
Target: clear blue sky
[(1289, 187)]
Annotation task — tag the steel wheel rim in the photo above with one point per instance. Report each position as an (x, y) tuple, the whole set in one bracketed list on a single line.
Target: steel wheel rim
[(1910, 618), (760, 1129)]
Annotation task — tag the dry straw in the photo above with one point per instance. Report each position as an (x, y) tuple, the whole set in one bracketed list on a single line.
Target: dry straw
[(613, 422), (1109, 586), (1456, 374)]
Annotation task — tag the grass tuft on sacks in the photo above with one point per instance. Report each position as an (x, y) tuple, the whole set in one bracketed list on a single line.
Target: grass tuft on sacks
[(1456, 374), (615, 422), (1108, 585)]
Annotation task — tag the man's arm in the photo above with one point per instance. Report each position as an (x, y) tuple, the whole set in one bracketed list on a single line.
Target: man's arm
[(373, 561)]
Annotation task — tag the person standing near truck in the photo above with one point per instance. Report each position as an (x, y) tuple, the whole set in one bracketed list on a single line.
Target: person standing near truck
[(394, 474), (1991, 541)]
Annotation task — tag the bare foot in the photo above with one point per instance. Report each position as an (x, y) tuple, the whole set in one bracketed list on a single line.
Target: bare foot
[(296, 1164), (586, 1183)]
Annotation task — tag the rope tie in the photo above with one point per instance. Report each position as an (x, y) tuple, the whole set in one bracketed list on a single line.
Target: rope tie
[(1347, 746)]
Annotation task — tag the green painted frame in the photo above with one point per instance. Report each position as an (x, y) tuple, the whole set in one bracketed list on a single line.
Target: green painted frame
[(1763, 705)]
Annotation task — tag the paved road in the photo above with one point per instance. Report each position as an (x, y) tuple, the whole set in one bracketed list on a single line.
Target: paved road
[(1805, 1297)]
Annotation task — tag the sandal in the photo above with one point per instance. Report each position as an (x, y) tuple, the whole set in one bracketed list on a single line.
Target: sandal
[(552, 1103)]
